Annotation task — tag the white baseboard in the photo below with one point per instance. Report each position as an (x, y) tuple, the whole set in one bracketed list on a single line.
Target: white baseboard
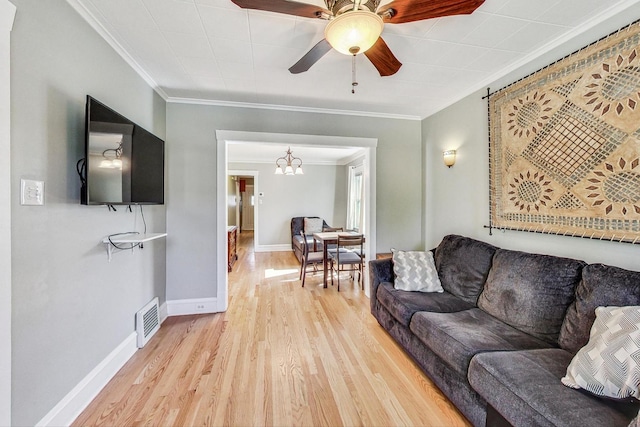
[(183, 307), (163, 312), (68, 409), (72, 405), (274, 248)]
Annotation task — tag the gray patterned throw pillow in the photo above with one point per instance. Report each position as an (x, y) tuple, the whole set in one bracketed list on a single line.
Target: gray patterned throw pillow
[(312, 225), (609, 364), (415, 271)]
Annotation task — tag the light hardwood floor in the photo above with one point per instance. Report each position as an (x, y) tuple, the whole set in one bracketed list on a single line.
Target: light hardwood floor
[(282, 355)]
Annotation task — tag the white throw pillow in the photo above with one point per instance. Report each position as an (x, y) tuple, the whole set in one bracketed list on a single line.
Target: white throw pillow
[(312, 225), (608, 365), (415, 271)]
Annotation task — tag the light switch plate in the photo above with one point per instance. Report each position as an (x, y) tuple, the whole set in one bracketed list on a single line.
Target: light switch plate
[(31, 192)]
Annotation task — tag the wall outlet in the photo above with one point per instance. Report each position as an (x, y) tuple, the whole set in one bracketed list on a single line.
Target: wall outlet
[(31, 192), (199, 307)]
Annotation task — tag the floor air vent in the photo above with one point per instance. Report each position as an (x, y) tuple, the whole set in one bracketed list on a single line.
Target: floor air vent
[(147, 322)]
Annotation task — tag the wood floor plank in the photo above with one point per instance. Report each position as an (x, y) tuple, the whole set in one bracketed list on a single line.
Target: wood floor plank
[(282, 355)]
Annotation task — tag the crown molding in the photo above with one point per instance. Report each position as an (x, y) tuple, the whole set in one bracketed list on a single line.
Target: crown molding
[(352, 158), (530, 58), (297, 109), (7, 15), (88, 16)]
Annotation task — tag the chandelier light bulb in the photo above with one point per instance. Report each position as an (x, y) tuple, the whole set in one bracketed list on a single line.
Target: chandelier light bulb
[(117, 163)]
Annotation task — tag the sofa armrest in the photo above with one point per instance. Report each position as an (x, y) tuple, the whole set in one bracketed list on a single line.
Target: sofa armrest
[(380, 271)]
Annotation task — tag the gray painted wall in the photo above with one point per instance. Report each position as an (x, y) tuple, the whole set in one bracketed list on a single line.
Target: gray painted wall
[(321, 191), (457, 199), (191, 210), (70, 306)]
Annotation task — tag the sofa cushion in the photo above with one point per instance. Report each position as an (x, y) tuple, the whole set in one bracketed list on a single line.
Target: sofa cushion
[(415, 271), (601, 285), (531, 292), (608, 365), (463, 265), (457, 337), (403, 305), (525, 387)]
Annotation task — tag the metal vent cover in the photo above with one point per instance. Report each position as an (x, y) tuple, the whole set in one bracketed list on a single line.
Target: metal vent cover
[(147, 322)]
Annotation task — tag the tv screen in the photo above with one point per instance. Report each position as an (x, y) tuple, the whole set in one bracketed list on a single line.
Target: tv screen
[(124, 162)]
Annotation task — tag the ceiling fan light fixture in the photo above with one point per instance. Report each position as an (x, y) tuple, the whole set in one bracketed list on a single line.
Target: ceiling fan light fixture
[(354, 31)]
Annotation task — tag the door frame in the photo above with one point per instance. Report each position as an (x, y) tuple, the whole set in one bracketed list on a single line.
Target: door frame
[(255, 175), (7, 15), (223, 137)]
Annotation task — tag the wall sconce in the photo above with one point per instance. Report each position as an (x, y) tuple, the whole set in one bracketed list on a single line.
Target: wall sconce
[(449, 157)]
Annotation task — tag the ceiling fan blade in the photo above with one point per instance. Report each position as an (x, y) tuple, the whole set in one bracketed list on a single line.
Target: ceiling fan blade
[(284, 6), (417, 10), (383, 59), (311, 57)]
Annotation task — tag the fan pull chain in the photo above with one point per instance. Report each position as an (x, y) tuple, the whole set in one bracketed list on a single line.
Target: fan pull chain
[(354, 83)]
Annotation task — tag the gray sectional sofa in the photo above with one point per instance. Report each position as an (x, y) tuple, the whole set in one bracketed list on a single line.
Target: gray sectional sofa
[(501, 336)]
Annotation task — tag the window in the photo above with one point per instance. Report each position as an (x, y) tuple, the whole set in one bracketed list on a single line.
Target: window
[(355, 204)]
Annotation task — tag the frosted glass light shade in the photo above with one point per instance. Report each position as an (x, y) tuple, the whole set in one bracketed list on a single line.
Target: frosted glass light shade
[(449, 157), (288, 170), (279, 171), (357, 29), (299, 171)]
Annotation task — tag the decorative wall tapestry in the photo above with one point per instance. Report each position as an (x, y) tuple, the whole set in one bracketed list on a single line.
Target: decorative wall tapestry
[(565, 145)]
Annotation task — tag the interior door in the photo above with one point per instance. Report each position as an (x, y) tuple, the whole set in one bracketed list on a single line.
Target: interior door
[(238, 206), (247, 208)]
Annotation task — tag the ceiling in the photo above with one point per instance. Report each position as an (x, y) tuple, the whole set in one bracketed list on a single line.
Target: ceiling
[(212, 51)]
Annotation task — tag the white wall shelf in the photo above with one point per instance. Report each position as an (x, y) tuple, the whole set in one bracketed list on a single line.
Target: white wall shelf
[(131, 238)]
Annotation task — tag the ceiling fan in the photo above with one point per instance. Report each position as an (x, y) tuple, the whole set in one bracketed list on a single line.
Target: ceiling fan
[(355, 26)]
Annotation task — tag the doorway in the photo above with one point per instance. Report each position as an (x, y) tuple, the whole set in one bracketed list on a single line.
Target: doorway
[(242, 210), (241, 201), (246, 208), (224, 137)]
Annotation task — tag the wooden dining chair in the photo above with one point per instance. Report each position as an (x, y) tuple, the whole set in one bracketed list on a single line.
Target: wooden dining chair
[(332, 247), (348, 257), (309, 259)]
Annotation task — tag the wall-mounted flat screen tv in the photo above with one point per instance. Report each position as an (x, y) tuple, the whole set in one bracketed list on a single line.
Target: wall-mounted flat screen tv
[(124, 163)]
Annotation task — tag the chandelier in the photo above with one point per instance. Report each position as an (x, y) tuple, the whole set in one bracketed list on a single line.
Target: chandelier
[(287, 161)]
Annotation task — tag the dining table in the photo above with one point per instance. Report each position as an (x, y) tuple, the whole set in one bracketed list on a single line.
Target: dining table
[(329, 238)]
